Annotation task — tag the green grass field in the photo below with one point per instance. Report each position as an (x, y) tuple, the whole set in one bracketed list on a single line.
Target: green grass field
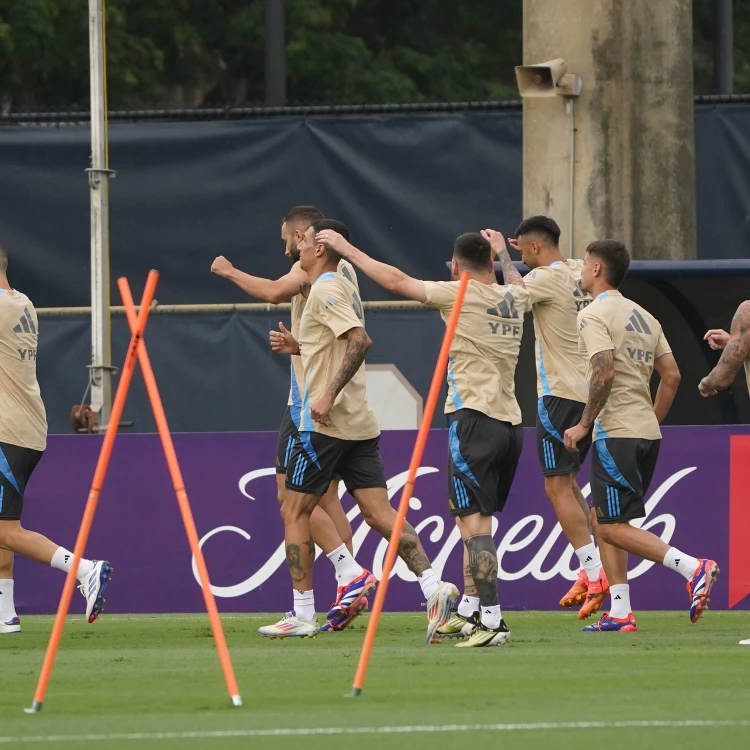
[(145, 676)]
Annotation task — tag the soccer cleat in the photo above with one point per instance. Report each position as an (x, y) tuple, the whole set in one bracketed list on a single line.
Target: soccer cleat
[(484, 636), (291, 626), (345, 618), (458, 625), (350, 595), (577, 594), (93, 588), (597, 593), (607, 623), (699, 587), (745, 642), (439, 607), (10, 626)]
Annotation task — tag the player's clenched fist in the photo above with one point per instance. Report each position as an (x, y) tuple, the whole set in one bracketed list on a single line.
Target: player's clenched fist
[(221, 266)]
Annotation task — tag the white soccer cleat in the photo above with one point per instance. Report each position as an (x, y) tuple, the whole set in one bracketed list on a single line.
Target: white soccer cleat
[(483, 637), (291, 626), (93, 588), (439, 608), (745, 643), (10, 626)]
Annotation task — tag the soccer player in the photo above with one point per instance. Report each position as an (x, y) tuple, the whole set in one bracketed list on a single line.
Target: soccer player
[(554, 284), (23, 440), (735, 353), (623, 345), (330, 526), (338, 433), (485, 435)]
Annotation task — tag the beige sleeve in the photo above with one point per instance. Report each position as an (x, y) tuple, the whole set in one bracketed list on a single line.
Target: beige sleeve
[(540, 285), (594, 334), (662, 346), (441, 294), (335, 308)]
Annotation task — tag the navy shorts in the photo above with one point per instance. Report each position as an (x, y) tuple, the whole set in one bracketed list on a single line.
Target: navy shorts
[(554, 416), (17, 464)]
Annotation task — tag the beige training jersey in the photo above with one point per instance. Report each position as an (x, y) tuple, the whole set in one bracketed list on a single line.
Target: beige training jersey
[(23, 421), (346, 269), (614, 323), (484, 352), (557, 298), (333, 308)]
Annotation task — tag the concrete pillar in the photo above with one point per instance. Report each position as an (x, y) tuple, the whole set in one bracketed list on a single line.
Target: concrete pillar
[(634, 140)]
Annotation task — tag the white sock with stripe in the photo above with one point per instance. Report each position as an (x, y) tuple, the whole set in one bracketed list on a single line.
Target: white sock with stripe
[(491, 617), (620, 594), (684, 564), (429, 582), (347, 568), (304, 604), (63, 559), (7, 605), (590, 560), (468, 606)]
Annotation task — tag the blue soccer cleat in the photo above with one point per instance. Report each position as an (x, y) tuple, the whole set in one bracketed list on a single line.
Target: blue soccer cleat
[(607, 623), (350, 595)]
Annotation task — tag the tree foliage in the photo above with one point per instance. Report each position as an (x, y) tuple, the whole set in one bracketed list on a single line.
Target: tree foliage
[(183, 53)]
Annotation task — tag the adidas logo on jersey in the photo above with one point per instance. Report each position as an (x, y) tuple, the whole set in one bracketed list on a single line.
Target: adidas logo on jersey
[(26, 323), (638, 323)]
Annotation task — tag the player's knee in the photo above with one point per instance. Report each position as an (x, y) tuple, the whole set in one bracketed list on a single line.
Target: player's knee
[(293, 510), (378, 519), (557, 486), (7, 532), (610, 533)]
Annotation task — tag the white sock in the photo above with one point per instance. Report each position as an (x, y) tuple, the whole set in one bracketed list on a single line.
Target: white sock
[(304, 604), (7, 605), (620, 594), (347, 568), (590, 561), (682, 563), (429, 582), (468, 606), (491, 617), (63, 559)]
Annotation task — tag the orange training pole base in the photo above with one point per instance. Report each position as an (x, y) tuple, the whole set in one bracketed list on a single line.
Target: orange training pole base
[(403, 506), (182, 499), (93, 499)]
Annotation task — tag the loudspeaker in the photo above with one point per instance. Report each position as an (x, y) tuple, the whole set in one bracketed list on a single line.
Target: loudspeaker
[(549, 78)]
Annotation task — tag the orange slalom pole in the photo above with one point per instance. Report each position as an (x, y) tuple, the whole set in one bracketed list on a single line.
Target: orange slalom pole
[(182, 498), (96, 488), (403, 506)]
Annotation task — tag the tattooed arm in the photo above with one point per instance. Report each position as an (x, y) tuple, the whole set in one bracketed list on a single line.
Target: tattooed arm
[(500, 250), (736, 351), (600, 386), (357, 346), (274, 291)]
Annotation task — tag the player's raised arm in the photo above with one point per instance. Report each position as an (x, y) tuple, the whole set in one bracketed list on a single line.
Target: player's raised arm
[(736, 351), (500, 251), (389, 277), (669, 372), (273, 291)]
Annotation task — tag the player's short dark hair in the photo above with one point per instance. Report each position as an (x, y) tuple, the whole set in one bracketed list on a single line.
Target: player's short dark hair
[(303, 215), (542, 225), (473, 250), (3, 259), (613, 255), (334, 226)]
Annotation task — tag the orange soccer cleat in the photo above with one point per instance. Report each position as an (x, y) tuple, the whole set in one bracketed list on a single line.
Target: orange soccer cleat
[(577, 594), (597, 593)]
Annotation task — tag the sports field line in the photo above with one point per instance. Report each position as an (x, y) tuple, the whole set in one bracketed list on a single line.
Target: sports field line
[(417, 729)]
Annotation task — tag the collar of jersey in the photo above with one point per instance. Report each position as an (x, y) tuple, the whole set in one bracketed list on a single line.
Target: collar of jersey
[(606, 294), (326, 275)]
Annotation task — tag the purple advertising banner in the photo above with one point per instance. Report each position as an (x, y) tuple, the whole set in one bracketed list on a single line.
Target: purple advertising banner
[(230, 479)]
